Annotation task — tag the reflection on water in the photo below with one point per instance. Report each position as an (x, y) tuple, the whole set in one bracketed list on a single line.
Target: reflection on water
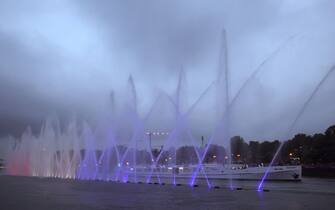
[(312, 185), (26, 192), (306, 185)]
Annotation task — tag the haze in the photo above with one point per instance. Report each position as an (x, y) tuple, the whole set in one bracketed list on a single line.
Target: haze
[(64, 57)]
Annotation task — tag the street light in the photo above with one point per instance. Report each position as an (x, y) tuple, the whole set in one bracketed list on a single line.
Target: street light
[(150, 133)]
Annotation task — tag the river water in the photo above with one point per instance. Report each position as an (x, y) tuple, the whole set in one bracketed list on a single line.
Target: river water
[(49, 193)]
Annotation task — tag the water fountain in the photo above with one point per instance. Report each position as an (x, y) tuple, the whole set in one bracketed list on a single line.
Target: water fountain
[(295, 121), (121, 148)]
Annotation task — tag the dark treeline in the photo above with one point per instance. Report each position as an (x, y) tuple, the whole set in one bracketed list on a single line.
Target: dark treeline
[(318, 149)]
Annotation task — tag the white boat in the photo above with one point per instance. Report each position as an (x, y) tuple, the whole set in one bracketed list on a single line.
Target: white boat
[(217, 171)]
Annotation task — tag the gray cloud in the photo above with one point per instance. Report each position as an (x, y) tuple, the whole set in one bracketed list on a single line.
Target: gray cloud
[(168, 34), (66, 57)]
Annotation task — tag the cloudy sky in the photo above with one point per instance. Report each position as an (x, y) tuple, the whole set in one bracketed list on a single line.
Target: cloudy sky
[(62, 57)]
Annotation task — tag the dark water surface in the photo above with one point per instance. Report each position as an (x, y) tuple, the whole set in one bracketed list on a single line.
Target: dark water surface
[(25, 193)]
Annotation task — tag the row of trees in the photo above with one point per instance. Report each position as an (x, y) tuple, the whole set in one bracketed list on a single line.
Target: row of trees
[(309, 150), (315, 149)]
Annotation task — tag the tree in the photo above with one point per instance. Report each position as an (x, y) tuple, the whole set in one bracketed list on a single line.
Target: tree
[(239, 149), (268, 150), (215, 153), (254, 155)]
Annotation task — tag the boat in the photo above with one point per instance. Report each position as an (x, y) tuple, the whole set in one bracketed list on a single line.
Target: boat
[(218, 171)]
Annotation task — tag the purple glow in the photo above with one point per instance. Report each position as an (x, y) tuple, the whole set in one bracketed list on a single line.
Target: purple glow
[(260, 185)]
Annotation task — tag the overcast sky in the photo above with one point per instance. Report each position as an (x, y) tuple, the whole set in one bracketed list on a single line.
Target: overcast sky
[(67, 56)]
